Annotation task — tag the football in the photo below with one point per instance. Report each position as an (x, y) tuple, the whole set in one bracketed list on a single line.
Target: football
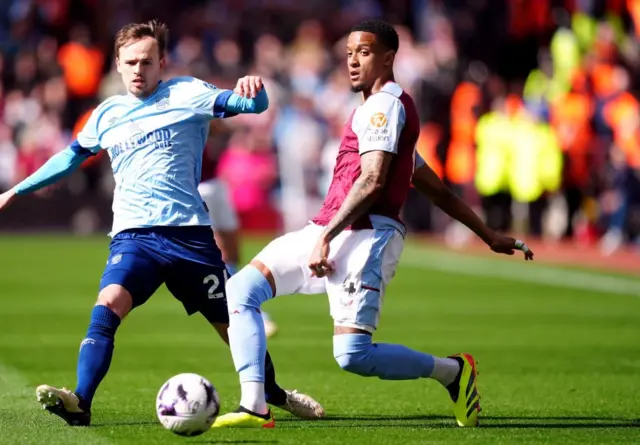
[(187, 404)]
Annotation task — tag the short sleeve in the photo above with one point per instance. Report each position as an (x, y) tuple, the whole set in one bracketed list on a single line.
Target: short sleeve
[(207, 100), (379, 123), (88, 138)]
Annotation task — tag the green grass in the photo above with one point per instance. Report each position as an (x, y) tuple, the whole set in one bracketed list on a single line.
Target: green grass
[(559, 363)]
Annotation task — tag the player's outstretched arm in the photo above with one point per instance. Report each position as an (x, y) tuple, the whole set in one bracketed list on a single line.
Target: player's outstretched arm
[(428, 183), (58, 166), (249, 96)]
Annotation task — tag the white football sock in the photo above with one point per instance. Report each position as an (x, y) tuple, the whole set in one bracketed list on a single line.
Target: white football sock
[(445, 370), (253, 397)]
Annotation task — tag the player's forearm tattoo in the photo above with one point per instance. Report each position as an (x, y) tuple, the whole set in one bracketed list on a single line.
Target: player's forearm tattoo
[(363, 193)]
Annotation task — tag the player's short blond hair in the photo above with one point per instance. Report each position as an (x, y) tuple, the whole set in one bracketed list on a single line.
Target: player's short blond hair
[(137, 31)]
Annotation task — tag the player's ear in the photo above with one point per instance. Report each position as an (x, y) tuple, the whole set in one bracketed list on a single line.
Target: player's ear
[(163, 61), (118, 65), (389, 57)]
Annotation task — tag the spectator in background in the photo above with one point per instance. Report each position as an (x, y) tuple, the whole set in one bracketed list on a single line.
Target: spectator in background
[(621, 115), (492, 169), (8, 159), (579, 65), (571, 116), (82, 63), (249, 168)]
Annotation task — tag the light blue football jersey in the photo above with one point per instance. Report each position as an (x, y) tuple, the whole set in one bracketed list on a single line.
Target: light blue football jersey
[(156, 145)]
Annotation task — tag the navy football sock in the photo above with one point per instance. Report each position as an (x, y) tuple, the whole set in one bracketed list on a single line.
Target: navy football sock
[(95, 354), (274, 394)]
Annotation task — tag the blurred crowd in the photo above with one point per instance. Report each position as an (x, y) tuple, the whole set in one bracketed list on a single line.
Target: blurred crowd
[(529, 108)]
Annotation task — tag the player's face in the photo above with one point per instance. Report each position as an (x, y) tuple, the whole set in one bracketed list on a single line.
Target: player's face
[(367, 60), (140, 65)]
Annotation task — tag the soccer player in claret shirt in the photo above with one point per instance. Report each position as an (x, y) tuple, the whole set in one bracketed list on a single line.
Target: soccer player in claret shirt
[(155, 137), (352, 247)]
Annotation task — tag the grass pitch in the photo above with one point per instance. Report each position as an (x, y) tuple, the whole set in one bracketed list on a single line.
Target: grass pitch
[(558, 352)]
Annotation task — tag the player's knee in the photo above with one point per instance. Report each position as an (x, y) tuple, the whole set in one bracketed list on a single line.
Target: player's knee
[(356, 363), (116, 298), (353, 353), (247, 288)]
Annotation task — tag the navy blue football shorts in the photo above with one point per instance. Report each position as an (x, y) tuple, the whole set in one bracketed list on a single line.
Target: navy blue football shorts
[(186, 259)]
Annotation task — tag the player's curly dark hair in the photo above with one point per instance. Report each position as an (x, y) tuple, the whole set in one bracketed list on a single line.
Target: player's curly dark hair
[(384, 31)]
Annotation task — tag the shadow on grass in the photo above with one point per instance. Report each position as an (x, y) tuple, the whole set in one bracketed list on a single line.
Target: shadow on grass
[(439, 421), (231, 441), (422, 421)]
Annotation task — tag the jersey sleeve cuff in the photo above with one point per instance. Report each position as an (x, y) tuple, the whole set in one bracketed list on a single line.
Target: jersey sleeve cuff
[(220, 105), (80, 150)]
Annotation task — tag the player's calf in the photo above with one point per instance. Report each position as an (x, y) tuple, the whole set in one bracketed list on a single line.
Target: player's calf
[(96, 349), (246, 291), (358, 354), (354, 355)]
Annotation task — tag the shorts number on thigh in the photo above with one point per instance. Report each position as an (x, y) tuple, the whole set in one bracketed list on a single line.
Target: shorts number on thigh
[(365, 264)]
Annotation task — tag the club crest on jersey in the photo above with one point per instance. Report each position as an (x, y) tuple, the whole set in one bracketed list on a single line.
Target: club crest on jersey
[(378, 120), (162, 102)]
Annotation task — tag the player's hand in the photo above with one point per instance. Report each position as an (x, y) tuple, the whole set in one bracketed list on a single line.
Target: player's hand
[(508, 246), (319, 260), (7, 198), (248, 86)]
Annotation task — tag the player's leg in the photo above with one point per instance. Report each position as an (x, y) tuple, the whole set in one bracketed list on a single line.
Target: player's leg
[(294, 402), (225, 226), (356, 292), (130, 278), (198, 281), (274, 394), (275, 271), (217, 314), (365, 263)]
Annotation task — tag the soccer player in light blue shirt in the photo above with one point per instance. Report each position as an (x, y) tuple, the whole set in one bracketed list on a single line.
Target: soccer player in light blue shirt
[(155, 137)]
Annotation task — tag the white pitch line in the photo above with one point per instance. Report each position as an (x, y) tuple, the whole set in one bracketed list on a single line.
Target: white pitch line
[(519, 271)]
